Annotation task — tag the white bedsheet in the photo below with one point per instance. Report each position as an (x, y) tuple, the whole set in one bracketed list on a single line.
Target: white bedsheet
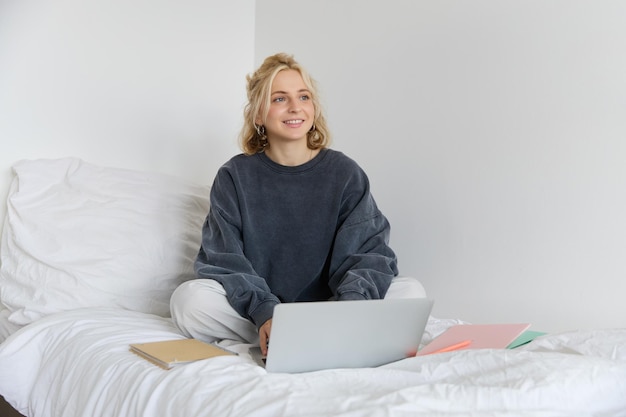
[(77, 363), (6, 327)]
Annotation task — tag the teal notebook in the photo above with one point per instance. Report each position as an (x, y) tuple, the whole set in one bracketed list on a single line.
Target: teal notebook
[(526, 337)]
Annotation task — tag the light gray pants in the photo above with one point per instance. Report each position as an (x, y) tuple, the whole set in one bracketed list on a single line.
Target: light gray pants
[(201, 310)]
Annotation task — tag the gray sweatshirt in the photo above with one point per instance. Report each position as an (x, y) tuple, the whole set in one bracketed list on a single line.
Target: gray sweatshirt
[(285, 234)]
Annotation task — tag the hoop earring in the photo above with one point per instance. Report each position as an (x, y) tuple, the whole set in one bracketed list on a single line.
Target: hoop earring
[(313, 135), (260, 130)]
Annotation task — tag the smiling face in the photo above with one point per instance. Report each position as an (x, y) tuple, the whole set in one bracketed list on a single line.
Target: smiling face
[(291, 111)]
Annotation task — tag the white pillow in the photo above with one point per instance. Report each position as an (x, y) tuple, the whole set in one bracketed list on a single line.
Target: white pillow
[(79, 235)]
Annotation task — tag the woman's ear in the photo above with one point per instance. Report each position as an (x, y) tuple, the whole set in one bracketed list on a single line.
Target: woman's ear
[(259, 119)]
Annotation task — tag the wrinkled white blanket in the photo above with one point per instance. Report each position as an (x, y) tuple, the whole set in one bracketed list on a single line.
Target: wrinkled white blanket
[(77, 363)]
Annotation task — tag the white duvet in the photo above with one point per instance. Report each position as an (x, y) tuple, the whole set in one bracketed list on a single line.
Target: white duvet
[(77, 363)]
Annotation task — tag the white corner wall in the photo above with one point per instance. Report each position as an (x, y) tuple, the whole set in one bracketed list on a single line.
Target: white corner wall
[(494, 135), (153, 85)]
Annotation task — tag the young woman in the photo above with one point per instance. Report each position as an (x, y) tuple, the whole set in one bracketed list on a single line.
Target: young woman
[(290, 220)]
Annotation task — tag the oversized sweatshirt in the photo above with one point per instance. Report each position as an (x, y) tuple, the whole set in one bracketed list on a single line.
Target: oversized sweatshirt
[(278, 233)]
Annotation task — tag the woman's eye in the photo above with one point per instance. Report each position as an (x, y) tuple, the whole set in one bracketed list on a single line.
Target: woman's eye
[(305, 97), (278, 99)]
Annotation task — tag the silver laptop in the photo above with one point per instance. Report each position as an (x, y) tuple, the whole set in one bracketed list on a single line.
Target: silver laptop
[(311, 336)]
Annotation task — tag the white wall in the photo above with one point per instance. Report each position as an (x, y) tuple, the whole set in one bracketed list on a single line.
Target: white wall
[(146, 84), (494, 135), (493, 131)]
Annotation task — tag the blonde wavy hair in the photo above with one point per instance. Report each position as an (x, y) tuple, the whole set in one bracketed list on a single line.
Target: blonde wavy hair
[(252, 139)]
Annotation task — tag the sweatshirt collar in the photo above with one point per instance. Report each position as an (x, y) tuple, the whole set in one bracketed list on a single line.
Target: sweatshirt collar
[(307, 166)]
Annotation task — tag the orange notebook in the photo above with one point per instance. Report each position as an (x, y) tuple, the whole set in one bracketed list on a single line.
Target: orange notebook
[(168, 353), (475, 336)]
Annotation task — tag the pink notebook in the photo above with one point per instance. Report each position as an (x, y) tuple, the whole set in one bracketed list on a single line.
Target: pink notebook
[(475, 336)]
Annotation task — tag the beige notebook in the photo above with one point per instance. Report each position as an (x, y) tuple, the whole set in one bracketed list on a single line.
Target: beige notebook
[(169, 353)]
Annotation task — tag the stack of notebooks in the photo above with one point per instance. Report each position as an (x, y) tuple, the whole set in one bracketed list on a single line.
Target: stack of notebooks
[(481, 336)]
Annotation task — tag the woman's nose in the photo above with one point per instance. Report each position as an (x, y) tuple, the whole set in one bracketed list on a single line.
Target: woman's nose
[(294, 106)]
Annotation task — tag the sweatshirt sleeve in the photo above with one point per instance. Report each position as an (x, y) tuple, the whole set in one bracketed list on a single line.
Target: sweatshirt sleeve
[(363, 264), (221, 256)]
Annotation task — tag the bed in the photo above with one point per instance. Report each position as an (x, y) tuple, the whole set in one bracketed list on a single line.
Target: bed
[(90, 256)]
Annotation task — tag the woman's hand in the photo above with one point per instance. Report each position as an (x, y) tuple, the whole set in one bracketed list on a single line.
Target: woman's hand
[(264, 336)]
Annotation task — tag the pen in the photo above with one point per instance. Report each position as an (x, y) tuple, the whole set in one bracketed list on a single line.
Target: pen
[(456, 346)]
